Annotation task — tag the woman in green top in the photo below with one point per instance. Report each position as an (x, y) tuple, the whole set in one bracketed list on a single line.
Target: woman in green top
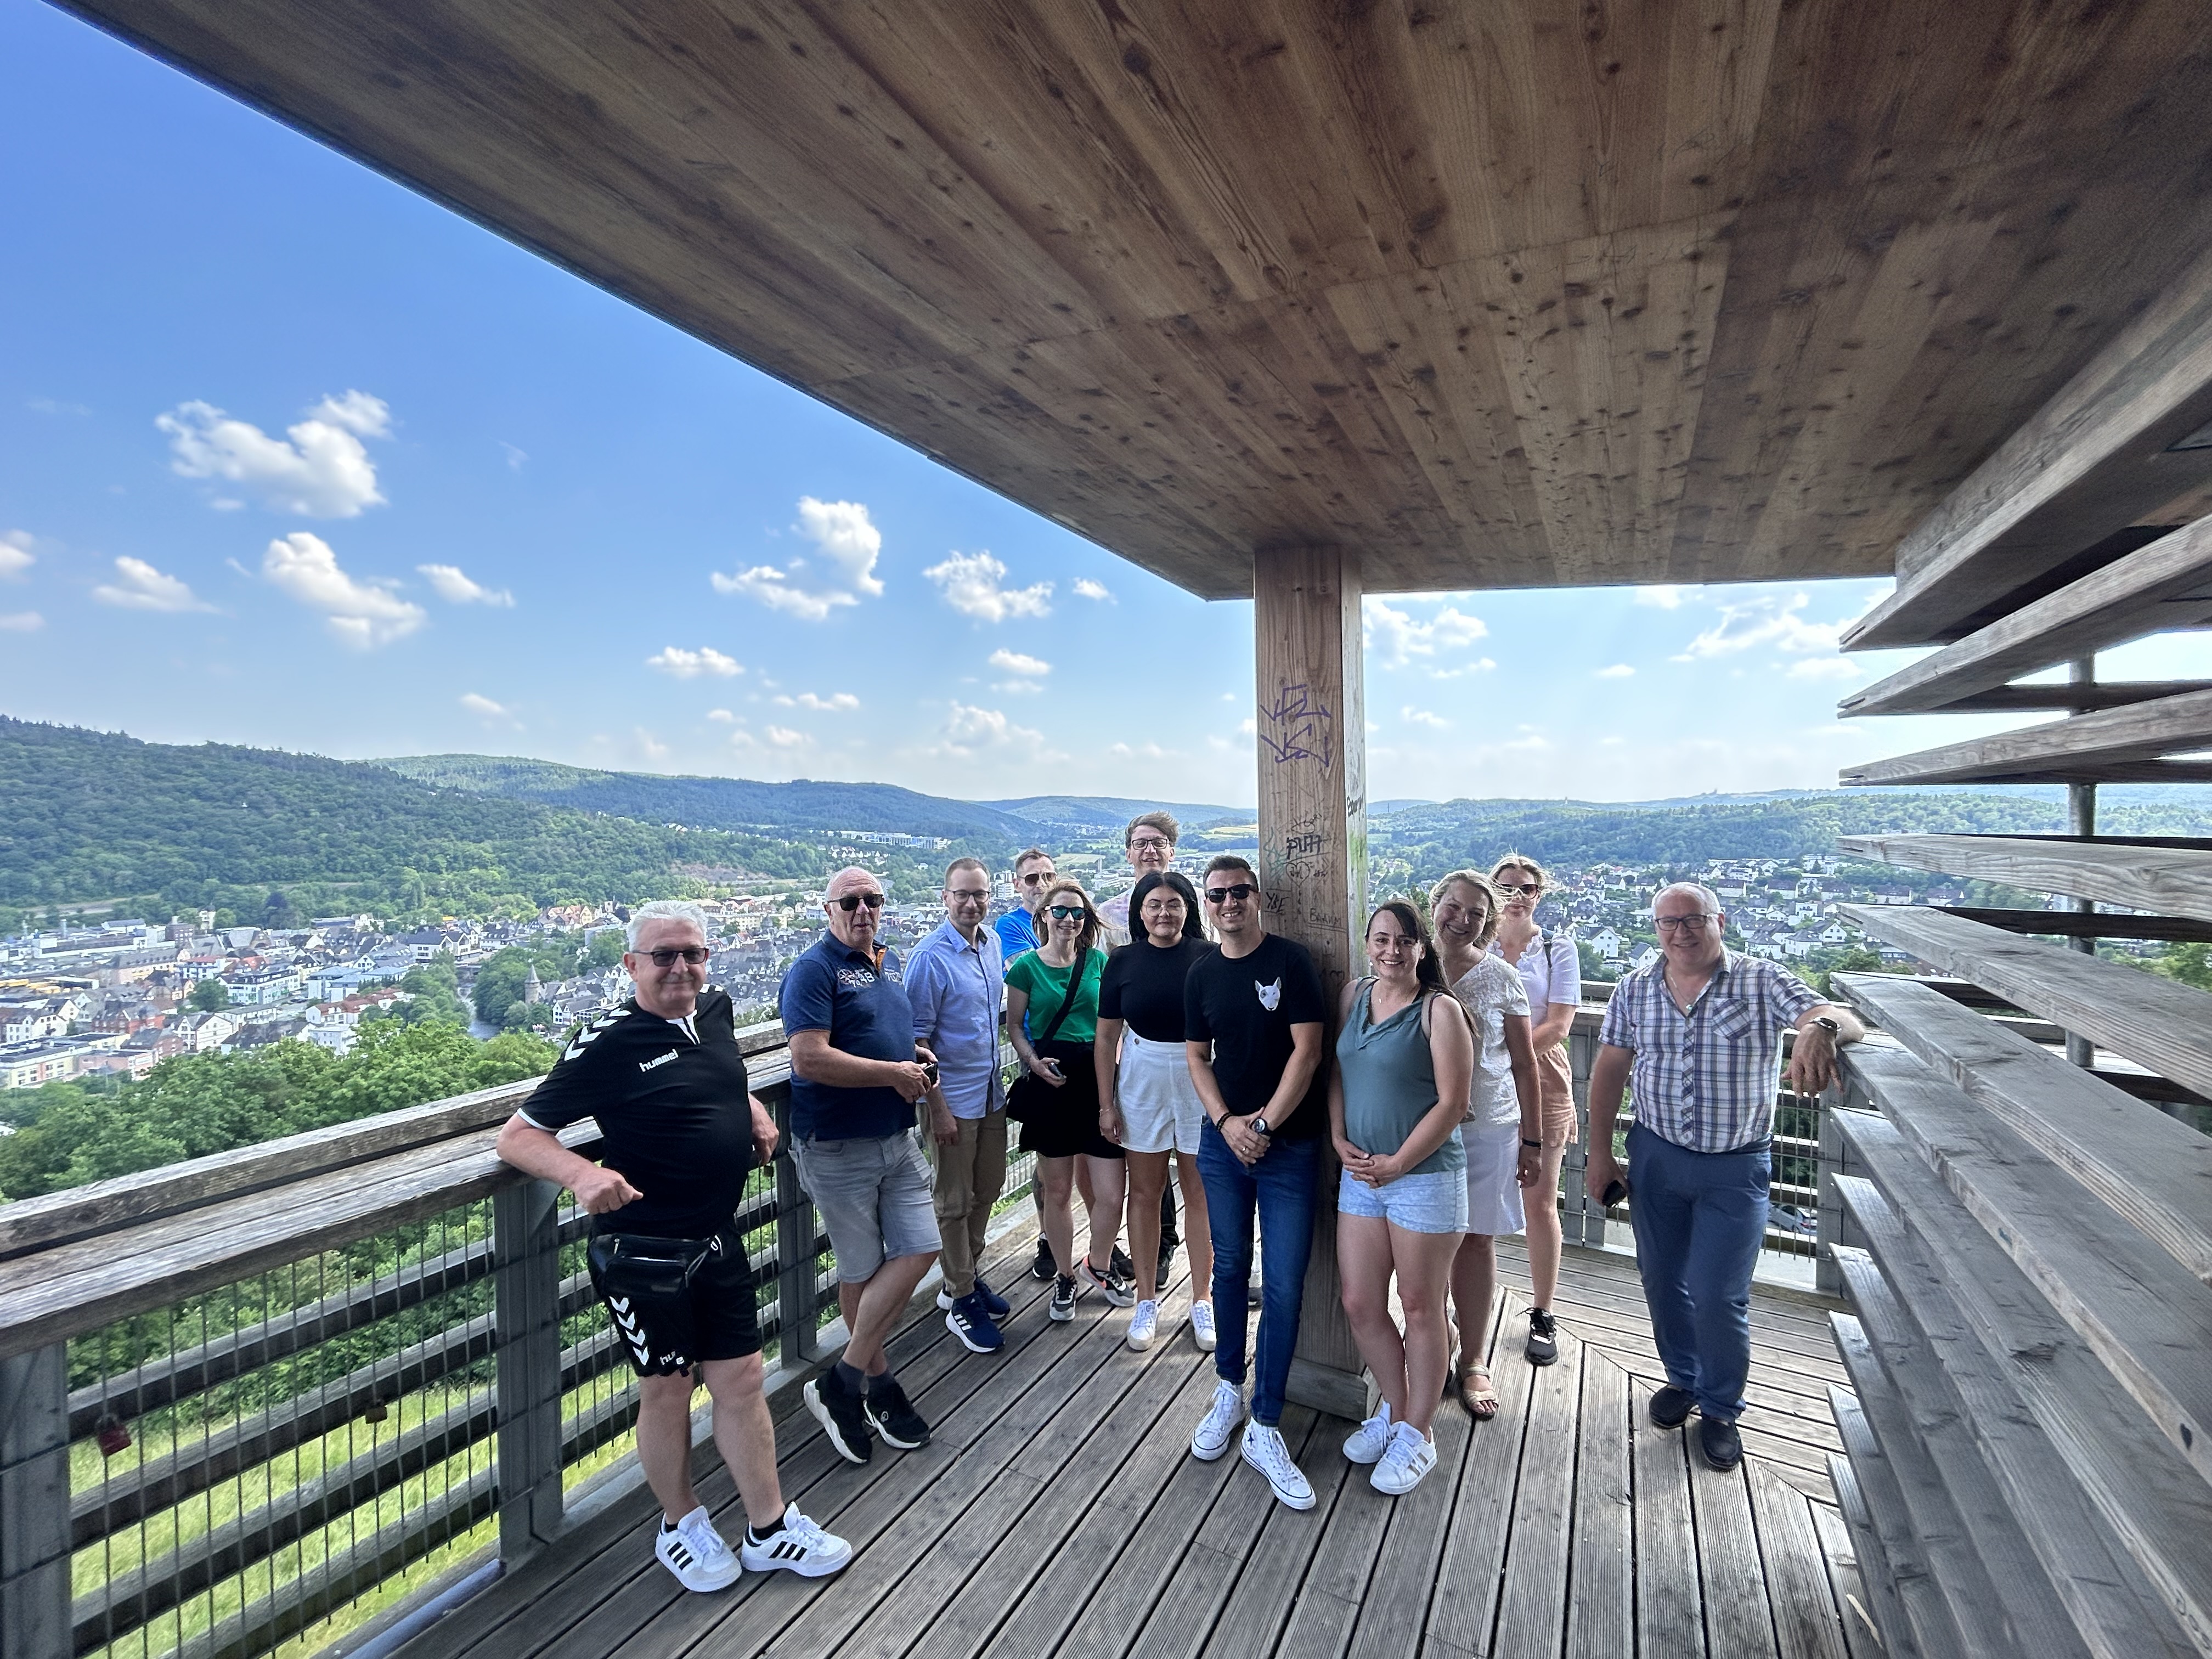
[(1053, 1031), (1404, 1055)]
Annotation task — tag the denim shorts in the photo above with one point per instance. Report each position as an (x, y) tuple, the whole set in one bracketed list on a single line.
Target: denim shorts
[(1433, 1203), (874, 1195)]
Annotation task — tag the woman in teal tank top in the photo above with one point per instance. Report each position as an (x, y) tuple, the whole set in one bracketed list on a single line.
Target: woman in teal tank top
[(1404, 1058)]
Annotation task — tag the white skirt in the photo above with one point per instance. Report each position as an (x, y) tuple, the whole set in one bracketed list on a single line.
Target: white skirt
[(1160, 1110), (1493, 1189)]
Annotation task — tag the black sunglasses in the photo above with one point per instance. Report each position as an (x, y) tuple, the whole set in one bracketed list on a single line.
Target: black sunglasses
[(1243, 889), (1064, 911), (694, 954), (853, 902)]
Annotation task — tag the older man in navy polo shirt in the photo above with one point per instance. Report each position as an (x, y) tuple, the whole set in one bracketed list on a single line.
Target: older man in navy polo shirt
[(1701, 1029), (856, 1073)]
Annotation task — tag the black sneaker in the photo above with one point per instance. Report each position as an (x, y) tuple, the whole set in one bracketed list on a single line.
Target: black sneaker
[(1670, 1406), (1063, 1297), (993, 1304), (1722, 1445), (1110, 1284), (839, 1411), (1167, 1266), (1118, 1266), (1543, 1347), (892, 1415), (1044, 1268)]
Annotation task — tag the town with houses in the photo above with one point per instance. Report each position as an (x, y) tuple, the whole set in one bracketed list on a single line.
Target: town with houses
[(122, 996)]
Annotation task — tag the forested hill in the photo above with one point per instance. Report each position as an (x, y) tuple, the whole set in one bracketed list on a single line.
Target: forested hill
[(719, 803), (96, 815)]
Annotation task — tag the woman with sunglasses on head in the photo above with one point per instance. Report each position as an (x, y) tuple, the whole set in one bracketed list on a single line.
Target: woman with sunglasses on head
[(1551, 971), (1399, 1091), (1147, 1103), (1052, 1018), (1504, 1132)]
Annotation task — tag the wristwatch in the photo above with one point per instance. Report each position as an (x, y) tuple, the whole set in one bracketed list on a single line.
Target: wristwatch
[(1835, 1031), (1259, 1123)]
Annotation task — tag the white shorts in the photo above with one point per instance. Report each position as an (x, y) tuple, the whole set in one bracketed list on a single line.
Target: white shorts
[(1493, 1190), (1160, 1110)]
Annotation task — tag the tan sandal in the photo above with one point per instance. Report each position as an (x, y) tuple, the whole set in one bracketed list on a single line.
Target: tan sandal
[(1482, 1403)]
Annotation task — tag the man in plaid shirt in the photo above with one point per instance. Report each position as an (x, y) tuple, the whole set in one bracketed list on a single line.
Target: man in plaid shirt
[(1700, 1029)]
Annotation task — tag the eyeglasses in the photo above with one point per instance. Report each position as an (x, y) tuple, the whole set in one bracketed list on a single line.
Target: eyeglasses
[(1670, 924), (1151, 844), (973, 895), (853, 902), (1062, 912), (694, 954), (1035, 877), (1243, 889), (1527, 889)]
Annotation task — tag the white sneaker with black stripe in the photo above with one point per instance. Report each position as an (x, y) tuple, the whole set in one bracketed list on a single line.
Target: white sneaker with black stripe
[(695, 1553), (798, 1547)]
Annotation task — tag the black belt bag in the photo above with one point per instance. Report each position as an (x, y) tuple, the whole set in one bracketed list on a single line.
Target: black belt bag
[(639, 1266)]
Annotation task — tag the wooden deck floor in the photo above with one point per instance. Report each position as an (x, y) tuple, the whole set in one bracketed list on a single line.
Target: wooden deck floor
[(1059, 1512)]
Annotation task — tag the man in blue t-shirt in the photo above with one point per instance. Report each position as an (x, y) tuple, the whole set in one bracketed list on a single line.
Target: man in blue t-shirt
[(856, 1073), (1017, 929)]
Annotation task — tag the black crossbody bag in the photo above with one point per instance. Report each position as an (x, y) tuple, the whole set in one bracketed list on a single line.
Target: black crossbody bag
[(1031, 1093), (642, 1268)]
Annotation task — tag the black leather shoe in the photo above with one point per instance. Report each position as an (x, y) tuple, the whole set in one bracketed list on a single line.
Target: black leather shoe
[(1722, 1445), (1671, 1407)]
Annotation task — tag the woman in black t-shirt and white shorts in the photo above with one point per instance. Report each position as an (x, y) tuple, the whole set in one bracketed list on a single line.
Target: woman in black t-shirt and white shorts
[(1146, 1101)]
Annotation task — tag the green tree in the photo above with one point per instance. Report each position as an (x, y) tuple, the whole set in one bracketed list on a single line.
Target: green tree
[(2190, 963), (605, 949), (207, 995)]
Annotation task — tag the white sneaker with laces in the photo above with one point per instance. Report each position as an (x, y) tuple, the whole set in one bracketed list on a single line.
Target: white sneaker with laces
[(1211, 1438), (801, 1547), (1202, 1326), (1144, 1325), (1263, 1448), (1367, 1443), (1410, 1455), (695, 1553)]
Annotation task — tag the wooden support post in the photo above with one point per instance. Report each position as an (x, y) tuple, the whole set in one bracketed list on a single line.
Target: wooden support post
[(526, 1302), (2082, 820), (797, 1268), (1834, 1224), (1313, 864), (1584, 1219), (34, 1504)]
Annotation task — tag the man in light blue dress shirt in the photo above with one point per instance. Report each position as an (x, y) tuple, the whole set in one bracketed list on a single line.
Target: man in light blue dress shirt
[(955, 979)]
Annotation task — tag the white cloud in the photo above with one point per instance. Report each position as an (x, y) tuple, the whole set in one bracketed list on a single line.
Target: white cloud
[(455, 588), (971, 729), (20, 622), (1403, 638), (782, 737), (1620, 671), (970, 583), (325, 471), (1769, 619), (1015, 662), (837, 702), (723, 715), (648, 745), (683, 665), (16, 554), (1480, 666), (1825, 668), (1661, 597), (1414, 716), (515, 457), (1087, 589), (139, 586), (492, 714), (361, 614), (844, 536)]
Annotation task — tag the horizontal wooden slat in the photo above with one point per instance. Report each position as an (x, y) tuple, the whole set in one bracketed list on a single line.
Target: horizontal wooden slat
[(2139, 1309), (2155, 1022), (1947, 1268), (2094, 458), (2173, 881), (2085, 924), (2151, 1171), (2166, 585), (2114, 745), (2078, 698)]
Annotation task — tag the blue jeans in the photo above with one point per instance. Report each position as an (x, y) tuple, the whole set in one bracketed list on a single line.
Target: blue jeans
[(1699, 1218), (1279, 1188)]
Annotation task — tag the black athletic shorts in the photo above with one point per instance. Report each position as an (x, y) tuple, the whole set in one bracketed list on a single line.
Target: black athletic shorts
[(715, 1317)]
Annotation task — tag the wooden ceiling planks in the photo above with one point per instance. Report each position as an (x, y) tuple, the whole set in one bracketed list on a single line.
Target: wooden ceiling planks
[(1515, 293)]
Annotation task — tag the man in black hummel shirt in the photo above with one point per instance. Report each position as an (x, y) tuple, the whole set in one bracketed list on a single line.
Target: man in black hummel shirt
[(664, 1077)]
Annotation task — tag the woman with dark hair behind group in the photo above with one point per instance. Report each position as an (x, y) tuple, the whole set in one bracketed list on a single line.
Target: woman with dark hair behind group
[(1404, 1055), (1147, 1103)]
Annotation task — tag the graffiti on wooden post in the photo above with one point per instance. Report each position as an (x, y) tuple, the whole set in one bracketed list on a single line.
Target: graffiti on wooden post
[(1298, 728)]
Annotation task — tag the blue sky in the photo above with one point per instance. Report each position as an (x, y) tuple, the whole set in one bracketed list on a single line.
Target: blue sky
[(290, 457)]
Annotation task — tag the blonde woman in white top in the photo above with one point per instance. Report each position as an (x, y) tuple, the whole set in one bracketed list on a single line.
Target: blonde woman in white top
[(1551, 972), (1504, 1132)]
